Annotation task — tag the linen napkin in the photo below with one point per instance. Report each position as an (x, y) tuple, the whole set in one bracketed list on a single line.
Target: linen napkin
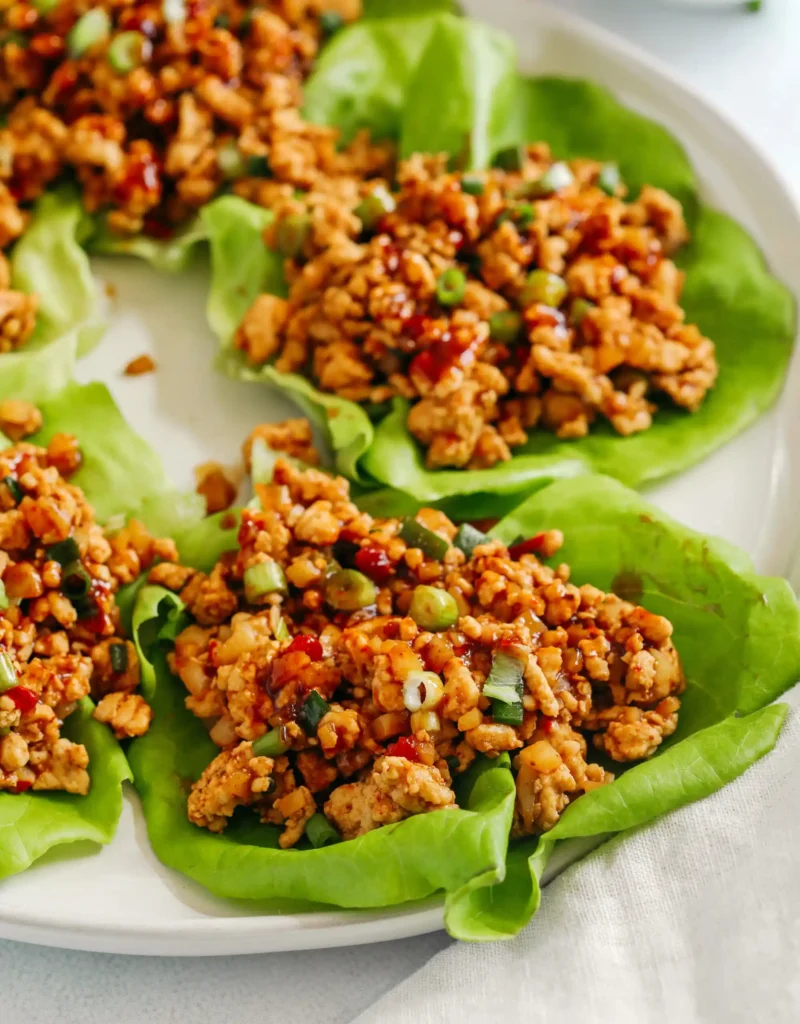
[(693, 920)]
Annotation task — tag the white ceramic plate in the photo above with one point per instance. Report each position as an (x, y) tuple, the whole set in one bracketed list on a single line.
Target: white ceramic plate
[(121, 899)]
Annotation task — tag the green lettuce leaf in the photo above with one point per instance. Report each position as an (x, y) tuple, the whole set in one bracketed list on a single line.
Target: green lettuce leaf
[(242, 267), (33, 823), (388, 866), (49, 261), (120, 472), (381, 75), (168, 256), (739, 638), (738, 635)]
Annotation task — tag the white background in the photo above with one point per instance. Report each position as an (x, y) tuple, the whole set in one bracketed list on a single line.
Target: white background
[(749, 66)]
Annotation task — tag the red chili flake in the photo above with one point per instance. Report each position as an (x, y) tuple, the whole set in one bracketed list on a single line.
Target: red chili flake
[(22, 786), (308, 645), (23, 698), (47, 45), (405, 747), (532, 546), (547, 725), (375, 563)]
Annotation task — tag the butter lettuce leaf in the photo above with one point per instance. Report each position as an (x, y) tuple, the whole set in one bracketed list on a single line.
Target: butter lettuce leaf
[(739, 638), (48, 260), (33, 823)]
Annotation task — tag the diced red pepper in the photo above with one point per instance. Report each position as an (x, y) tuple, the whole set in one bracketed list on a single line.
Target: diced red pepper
[(375, 563), (532, 546), (23, 698), (22, 786), (547, 725), (405, 747), (307, 645)]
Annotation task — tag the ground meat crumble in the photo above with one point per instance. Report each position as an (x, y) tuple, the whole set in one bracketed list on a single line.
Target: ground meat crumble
[(496, 302), (60, 635), (341, 662)]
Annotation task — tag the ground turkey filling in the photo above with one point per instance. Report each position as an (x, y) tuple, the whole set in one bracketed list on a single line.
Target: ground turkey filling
[(495, 302), (344, 663), (60, 637)]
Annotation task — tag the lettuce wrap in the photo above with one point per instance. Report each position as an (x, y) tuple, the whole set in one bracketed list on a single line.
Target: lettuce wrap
[(739, 638), (380, 75)]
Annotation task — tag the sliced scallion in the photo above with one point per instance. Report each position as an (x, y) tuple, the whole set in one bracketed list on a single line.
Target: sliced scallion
[(472, 185), (91, 28), (504, 686), (348, 590), (118, 654), (270, 745), (314, 709), (14, 489), (556, 177), (451, 286), (230, 160), (64, 552), (282, 630), (433, 608), (468, 538), (373, 206), (8, 677), (75, 581), (263, 578), (127, 51), (418, 536), (292, 234), (609, 179), (3, 597), (320, 832)]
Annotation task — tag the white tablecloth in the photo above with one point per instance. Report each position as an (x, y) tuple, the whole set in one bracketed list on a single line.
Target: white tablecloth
[(694, 920)]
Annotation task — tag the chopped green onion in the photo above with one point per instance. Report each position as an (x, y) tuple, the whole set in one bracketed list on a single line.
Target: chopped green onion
[(174, 11), (75, 581), (282, 630), (505, 325), (292, 234), (257, 167), (418, 536), (64, 552), (524, 216), (44, 7), (330, 22), (270, 745), (374, 206), (14, 489), (433, 608), (451, 286), (8, 677), (472, 185), (312, 712), (609, 179), (512, 159), (3, 597), (422, 691), (578, 310), (556, 177), (91, 28), (320, 832), (263, 578), (262, 461), (222, 20), (544, 287), (505, 688), (118, 653), (506, 694), (468, 538), (348, 590), (127, 51), (230, 160)]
